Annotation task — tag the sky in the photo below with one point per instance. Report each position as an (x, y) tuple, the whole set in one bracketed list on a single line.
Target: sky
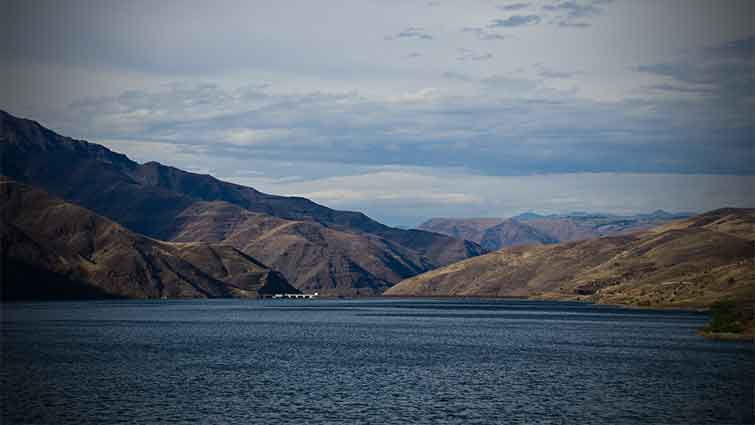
[(407, 110)]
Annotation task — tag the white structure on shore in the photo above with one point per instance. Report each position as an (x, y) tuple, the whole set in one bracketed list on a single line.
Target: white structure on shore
[(305, 296)]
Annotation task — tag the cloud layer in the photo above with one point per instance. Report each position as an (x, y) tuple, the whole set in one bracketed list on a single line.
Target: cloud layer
[(325, 96)]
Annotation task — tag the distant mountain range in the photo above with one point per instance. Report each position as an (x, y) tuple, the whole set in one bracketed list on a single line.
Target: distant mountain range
[(687, 263), (314, 247), (535, 229)]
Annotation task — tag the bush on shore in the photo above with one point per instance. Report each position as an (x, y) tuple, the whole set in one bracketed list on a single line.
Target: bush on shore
[(726, 317)]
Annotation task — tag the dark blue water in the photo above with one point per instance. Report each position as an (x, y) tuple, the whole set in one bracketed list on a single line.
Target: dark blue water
[(366, 362)]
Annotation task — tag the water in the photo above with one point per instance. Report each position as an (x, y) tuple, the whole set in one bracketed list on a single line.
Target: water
[(366, 362)]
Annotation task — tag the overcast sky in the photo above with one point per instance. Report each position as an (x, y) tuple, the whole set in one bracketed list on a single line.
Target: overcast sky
[(407, 109)]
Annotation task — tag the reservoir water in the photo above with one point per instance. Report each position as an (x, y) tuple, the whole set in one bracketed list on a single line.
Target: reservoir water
[(375, 361)]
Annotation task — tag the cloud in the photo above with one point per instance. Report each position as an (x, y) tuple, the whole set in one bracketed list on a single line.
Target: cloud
[(424, 95), (742, 49), (483, 34), (411, 32), (680, 89), (469, 55), (515, 21), (724, 74), (256, 137), (573, 9), (568, 24), (502, 125), (573, 14), (509, 86), (549, 73), (458, 77), (689, 114), (513, 6), (232, 98)]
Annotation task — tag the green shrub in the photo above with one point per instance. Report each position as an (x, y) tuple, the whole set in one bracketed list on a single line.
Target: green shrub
[(725, 317)]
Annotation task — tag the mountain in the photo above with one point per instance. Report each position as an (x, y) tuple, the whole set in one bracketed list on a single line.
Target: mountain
[(688, 263), (470, 229), (513, 233), (584, 225), (532, 228), (53, 249), (529, 215), (314, 257), (315, 247)]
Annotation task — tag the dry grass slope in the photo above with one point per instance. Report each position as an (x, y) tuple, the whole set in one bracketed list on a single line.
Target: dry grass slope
[(691, 263)]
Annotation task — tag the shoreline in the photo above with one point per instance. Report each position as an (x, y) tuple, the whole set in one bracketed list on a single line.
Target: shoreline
[(727, 336), (717, 336)]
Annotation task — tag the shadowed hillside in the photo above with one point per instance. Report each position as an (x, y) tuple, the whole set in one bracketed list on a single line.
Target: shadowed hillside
[(56, 250)]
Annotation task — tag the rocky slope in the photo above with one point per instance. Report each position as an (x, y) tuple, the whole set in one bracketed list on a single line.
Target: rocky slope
[(52, 249), (689, 263), (339, 252)]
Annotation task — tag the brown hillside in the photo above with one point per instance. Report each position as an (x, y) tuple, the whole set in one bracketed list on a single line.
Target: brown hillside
[(53, 249), (311, 256), (692, 263)]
